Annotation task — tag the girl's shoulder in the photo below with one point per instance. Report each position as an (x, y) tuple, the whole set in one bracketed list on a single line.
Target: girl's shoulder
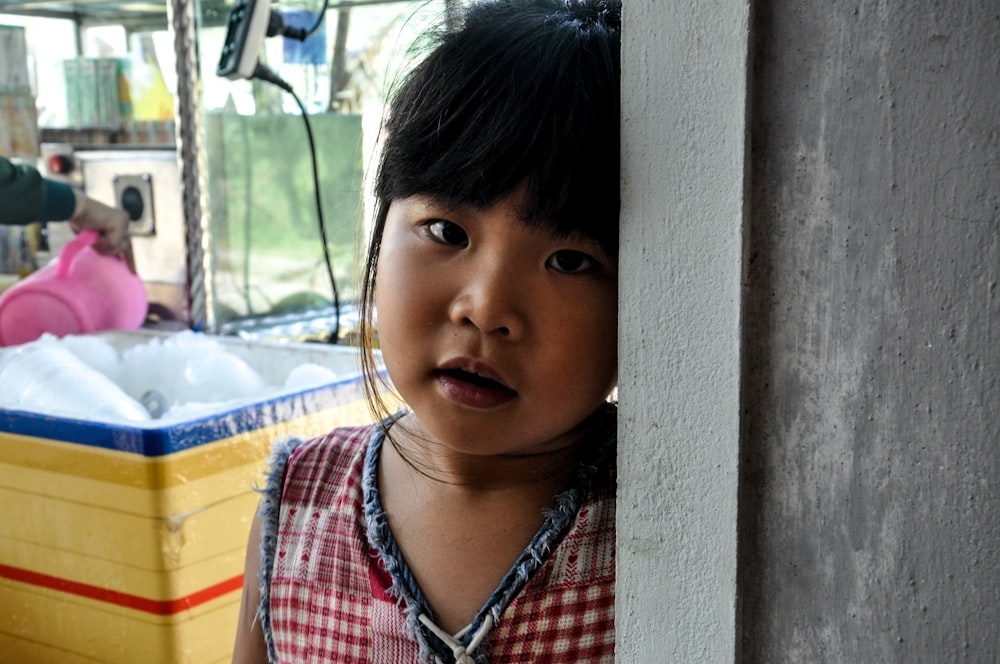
[(342, 440), (331, 459)]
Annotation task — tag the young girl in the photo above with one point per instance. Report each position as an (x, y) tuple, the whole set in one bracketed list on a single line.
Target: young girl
[(476, 524)]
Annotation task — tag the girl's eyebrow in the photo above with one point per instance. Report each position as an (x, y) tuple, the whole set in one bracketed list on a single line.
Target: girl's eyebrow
[(591, 245), (585, 243), (436, 203)]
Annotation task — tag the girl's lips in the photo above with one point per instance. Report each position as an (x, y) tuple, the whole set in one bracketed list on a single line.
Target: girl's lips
[(473, 389), (473, 370)]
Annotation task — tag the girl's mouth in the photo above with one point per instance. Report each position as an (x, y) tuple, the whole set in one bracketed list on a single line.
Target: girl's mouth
[(472, 389), (474, 378)]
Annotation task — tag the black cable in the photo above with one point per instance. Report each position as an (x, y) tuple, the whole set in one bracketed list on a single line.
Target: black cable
[(247, 207), (264, 73), (276, 25)]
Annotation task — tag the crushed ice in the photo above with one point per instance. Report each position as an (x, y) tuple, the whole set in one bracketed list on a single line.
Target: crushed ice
[(171, 378)]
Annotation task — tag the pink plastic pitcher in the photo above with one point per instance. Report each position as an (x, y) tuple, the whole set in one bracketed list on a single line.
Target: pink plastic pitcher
[(81, 291)]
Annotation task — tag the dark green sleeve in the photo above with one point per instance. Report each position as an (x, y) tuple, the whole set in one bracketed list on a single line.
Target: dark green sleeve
[(25, 196), (58, 201)]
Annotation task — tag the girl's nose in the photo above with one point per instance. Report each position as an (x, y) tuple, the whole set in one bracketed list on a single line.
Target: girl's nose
[(493, 301)]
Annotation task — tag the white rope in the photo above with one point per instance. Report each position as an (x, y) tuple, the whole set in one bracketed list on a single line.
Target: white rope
[(462, 654), (481, 633)]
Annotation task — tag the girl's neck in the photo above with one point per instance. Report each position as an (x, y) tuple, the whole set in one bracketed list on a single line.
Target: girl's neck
[(426, 460), (460, 520)]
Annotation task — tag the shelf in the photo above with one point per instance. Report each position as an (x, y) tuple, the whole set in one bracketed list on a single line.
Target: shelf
[(134, 15), (149, 15)]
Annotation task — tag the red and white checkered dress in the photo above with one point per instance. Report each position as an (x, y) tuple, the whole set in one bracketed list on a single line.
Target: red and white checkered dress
[(329, 598)]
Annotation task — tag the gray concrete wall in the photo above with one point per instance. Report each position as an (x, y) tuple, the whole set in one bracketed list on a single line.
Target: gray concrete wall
[(869, 503)]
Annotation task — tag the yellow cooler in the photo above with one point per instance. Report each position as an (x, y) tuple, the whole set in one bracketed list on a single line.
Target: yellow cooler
[(125, 544)]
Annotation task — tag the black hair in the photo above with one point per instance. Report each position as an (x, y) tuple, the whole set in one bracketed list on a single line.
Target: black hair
[(520, 93), (524, 91)]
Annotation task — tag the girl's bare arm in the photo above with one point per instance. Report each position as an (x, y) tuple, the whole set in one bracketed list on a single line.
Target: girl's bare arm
[(250, 647)]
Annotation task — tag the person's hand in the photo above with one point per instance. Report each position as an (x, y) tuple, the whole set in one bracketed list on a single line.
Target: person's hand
[(112, 224)]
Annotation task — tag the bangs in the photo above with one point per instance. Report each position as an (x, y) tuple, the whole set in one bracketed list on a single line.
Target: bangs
[(492, 110)]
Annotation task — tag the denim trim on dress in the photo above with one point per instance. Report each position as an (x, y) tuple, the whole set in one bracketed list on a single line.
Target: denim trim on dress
[(269, 513), (404, 587), (601, 437), (600, 441)]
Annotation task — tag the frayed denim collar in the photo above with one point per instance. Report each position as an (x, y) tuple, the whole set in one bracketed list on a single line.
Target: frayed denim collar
[(270, 512), (558, 520)]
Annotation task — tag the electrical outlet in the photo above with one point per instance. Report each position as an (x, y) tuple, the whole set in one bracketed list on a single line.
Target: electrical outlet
[(134, 194), (244, 35)]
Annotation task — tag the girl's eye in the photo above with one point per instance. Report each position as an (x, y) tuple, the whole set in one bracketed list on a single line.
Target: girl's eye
[(447, 232), (571, 262)]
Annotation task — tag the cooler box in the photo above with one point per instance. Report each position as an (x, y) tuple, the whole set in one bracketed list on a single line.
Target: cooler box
[(125, 544)]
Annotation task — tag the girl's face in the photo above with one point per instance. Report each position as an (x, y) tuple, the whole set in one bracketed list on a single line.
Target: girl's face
[(501, 338)]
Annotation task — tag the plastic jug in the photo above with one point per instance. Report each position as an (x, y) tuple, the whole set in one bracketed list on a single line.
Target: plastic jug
[(81, 291)]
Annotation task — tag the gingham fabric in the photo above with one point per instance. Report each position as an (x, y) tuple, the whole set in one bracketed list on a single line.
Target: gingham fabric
[(327, 597)]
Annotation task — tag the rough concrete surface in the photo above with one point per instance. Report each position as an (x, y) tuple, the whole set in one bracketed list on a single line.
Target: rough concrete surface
[(869, 525)]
